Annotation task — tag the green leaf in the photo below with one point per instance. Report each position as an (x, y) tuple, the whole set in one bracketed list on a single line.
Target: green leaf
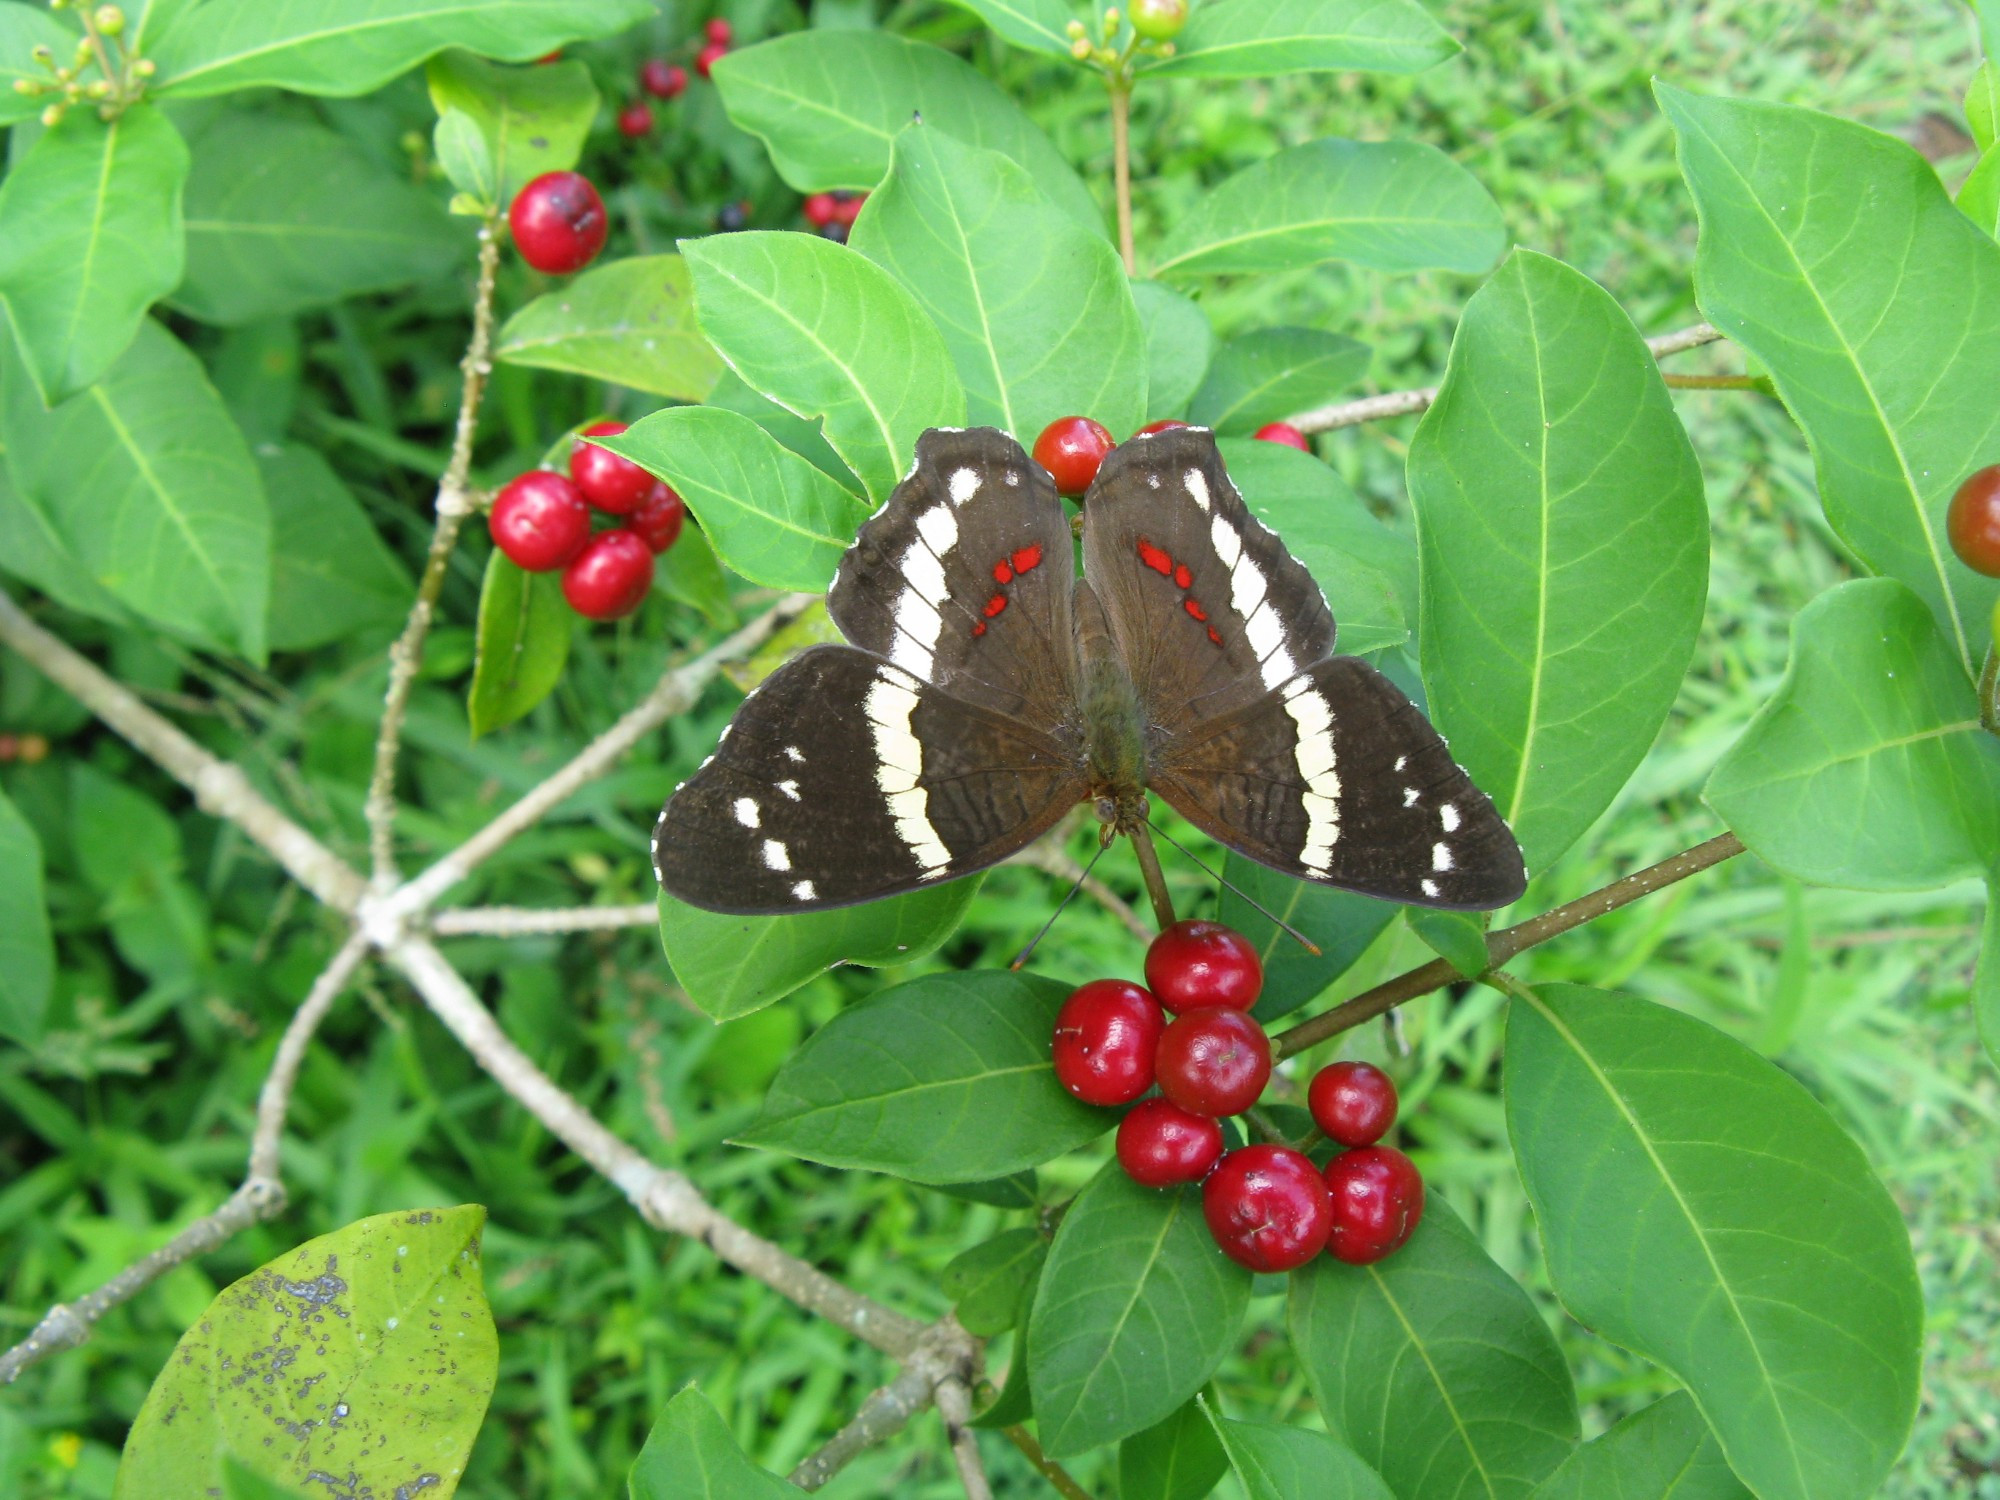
[(1778, 1282), (1982, 105), (381, 1356), (22, 29), (689, 574), (774, 518), (1136, 1309), (629, 323), (1277, 1462), (830, 104), (1387, 205), (690, 1453), (524, 627), (1265, 38), (986, 1283), (942, 1079), (1565, 549), (33, 549), (1340, 924), (241, 1482), (284, 215), (1831, 253), (1458, 937), (826, 333), (1179, 1458), (1179, 346), (1979, 194), (332, 576), (90, 237), (1038, 25), (1034, 308), (152, 487), (27, 949), (348, 47), (533, 120), (1664, 1452), (800, 435), (1986, 983), (1016, 1402), (1273, 373), (1867, 767), (466, 158), (1435, 1366)]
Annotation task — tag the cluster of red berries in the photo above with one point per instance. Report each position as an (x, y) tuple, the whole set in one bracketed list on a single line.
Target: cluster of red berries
[(542, 521), (833, 214), (28, 749), (1072, 448), (1268, 1206), (665, 80)]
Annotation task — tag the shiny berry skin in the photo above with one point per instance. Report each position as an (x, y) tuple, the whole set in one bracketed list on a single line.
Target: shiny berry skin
[(1213, 1062), (1160, 1144), (1159, 20), (1071, 448), (1283, 432), (662, 79), (821, 210), (1195, 964), (1165, 424), (1973, 522), (1106, 1034), (558, 222), (612, 483), (1378, 1197), (707, 57), (539, 521), (835, 231), (719, 31), (610, 577), (658, 520), (1353, 1102), (635, 120), (1267, 1207)]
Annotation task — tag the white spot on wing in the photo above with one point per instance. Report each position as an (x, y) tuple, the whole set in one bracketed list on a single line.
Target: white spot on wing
[(1013, 479), (804, 891), (793, 753), (1448, 816), (964, 485), (790, 789), (1228, 545), (1313, 717), (1402, 761), (899, 761), (1440, 856), (1430, 888), (746, 812), (776, 856), (1410, 795), (1197, 488)]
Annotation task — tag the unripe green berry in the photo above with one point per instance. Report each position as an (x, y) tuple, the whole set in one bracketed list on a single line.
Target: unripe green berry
[(98, 89), (1080, 49), (26, 86), (110, 20), (1159, 20), (52, 114), (43, 55), (146, 67)]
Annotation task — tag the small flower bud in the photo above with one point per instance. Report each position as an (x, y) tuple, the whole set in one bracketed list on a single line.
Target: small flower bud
[(26, 86), (43, 55), (98, 89), (110, 19), (146, 67), (52, 114), (1080, 49), (1074, 29), (1111, 20)]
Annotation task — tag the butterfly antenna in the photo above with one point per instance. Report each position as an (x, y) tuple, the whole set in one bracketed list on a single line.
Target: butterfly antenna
[(1277, 921), (1075, 886)]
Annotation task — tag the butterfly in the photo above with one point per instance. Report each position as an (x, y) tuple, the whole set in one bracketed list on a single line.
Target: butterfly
[(986, 690)]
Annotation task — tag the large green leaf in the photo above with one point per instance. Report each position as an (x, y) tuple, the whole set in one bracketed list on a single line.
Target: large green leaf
[(827, 333), (332, 576), (1039, 25), (368, 1353), (690, 1453), (285, 215), (1179, 346), (774, 518), (22, 29), (987, 1285), (90, 237), (27, 949), (944, 1079), (1832, 254), (730, 966), (629, 323), (524, 631), (1700, 1208), (830, 104), (1277, 1461), (1263, 38), (1979, 194), (1986, 983), (533, 120), (1273, 373), (1564, 542), (1035, 308), (1867, 767), (1664, 1452), (1178, 1458), (153, 489), (33, 549), (1340, 924), (1136, 1309), (348, 47), (1982, 105), (1435, 1366), (1388, 205)]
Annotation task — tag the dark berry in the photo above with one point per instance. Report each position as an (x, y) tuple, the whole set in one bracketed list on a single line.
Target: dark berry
[(1195, 964), (1353, 1102), (609, 481), (1973, 522), (539, 521), (1071, 448), (719, 31), (662, 79), (1283, 432), (558, 222), (635, 120), (1213, 1062), (658, 520), (1160, 1144), (610, 577), (1106, 1034), (820, 210), (847, 207), (1165, 424), (1267, 1207), (1378, 1197), (1158, 20), (731, 217), (836, 231), (707, 57)]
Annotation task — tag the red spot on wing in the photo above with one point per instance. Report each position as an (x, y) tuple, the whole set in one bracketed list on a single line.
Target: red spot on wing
[(994, 605), (1155, 559), (1213, 636), (1028, 558), (979, 628), (1002, 573), (1182, 577), (1195, 609)]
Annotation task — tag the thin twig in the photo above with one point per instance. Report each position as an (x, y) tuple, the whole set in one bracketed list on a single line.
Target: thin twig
[(1051, 859), (1049, 1469), (1156, 880), (954, 1404), (1121, 168), (520, 921), (1719, 383), (885, 1413)]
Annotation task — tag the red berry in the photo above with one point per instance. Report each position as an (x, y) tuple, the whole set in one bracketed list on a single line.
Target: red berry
[(1213, 1062), (559, 222), (635, 120), (847, 207), (610, 577), (662, 79), (1106, 1034), (1267, 1207), (1160, 1144), (1071, 448), (1195, 964), (10, 746), (657, 522), (1378, 1197), (821, 210), (539, 521), (1353, 1102), (719, 31), (608, 480), (1973, 522), (1165, 424), (1283, 432), (706, 58)]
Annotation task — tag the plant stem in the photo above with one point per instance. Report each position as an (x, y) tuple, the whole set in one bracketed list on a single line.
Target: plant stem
[(1989, 691), (1121, 167), (1718, 383), (521, 921), (1156, 880), (1050, 1470)]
